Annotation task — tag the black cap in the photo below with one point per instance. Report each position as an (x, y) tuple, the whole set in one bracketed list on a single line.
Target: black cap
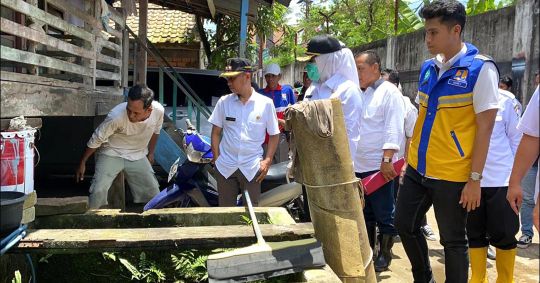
[(321, 44), (236, 66)]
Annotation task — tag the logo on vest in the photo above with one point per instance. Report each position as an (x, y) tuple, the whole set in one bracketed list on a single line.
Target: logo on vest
[(459, 79)]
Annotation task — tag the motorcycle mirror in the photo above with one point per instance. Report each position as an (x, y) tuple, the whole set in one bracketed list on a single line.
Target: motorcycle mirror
[(189, 126)]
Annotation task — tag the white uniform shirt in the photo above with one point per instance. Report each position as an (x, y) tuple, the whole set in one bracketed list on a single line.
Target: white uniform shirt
[(119, 137), (411, 114), (381, 125), (339, 87), (517, 104), (244, 129), (529, 125), (502, 145), (486, 84)]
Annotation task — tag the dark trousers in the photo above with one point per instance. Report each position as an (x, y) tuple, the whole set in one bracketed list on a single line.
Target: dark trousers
[(414, 199), (379, 209), (397, 185), (230, 188), (495, 217)]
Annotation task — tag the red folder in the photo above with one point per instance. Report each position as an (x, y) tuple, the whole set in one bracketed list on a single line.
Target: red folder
[(376, 180)]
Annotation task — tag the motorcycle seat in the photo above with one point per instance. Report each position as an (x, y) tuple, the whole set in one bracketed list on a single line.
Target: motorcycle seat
[(277, 172)]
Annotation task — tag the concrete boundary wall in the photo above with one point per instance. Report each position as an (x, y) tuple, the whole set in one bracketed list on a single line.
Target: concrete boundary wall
[(509, 35)]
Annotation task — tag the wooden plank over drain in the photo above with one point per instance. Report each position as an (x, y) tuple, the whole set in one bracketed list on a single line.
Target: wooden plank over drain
[(209, 237)]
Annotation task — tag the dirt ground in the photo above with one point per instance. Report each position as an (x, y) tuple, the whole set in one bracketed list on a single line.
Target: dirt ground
[(526, 268)]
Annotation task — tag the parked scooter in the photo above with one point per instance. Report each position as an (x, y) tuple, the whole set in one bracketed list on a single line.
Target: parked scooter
[(193, 183)]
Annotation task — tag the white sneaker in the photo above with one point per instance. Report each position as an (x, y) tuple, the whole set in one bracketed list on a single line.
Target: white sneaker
[(524, 241), (428, 233)]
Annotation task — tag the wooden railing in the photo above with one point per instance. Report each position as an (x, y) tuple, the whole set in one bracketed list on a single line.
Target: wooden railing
[(75, 48)]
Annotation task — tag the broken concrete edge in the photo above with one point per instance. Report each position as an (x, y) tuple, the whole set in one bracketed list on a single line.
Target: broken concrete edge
[(319, 275), (29, 215), (30, 200), (57, 206), (279, 215)]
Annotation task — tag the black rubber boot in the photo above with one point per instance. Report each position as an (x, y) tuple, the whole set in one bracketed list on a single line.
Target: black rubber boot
[(371, 232), (385, 254)]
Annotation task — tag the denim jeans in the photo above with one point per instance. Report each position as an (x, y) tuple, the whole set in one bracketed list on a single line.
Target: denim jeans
[(414, 199), (379, 209), (528, 202)]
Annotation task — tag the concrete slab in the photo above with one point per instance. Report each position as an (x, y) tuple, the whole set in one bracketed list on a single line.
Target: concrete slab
[(319, 275), (167, 217)]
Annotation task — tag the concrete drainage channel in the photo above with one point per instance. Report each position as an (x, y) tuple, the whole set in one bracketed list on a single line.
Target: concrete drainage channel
[(69, 245)]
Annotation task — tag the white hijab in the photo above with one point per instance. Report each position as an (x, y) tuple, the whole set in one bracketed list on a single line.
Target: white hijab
[(339, 62)]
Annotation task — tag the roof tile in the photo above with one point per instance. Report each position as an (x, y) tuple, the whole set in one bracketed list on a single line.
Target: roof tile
[(165, 26)]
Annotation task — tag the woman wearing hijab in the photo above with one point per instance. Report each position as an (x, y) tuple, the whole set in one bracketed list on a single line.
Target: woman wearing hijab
[(333, 72)]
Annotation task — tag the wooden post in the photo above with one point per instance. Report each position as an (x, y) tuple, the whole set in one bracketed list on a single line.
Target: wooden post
[(91, 8), (134, 73), (243, 27), (32, 46), (141, 55), (125, 58), (120, 41)]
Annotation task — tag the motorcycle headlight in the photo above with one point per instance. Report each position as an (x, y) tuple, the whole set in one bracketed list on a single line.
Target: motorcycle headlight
[(198, 148)]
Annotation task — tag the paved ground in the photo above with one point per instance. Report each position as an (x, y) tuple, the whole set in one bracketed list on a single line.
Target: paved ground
[(526, 268)]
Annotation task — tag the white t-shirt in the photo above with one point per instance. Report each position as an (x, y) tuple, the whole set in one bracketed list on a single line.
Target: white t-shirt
[(381, 123), (529, 125), (485, 90), (244, 130), (119, 137), (503, 144)]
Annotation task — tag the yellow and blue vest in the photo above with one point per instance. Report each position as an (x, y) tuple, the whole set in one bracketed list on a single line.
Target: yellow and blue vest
[(444, 133)]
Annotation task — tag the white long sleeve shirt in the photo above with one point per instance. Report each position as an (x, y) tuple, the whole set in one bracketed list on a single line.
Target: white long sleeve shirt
[(119, 137), (503, 144), (350, 96), (530, 125), (382, 119), (411, 114)]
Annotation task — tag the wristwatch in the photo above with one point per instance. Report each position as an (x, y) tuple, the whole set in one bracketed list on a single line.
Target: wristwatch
[(387, 159), (475, 176)]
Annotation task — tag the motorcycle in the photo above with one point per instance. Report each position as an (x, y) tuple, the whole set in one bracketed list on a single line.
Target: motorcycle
[(192, 182)]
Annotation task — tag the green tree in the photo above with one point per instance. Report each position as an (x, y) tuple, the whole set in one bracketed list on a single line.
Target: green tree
[(475, 7), (221, 42), (357, 22)]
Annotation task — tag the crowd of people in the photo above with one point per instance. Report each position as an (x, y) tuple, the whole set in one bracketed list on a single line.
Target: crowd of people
[(467, 145)]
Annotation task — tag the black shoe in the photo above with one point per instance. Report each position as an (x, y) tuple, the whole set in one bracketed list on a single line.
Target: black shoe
[(385, 254), (524, 241)]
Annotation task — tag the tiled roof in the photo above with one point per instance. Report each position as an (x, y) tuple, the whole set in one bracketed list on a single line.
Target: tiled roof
[(164, 25)]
